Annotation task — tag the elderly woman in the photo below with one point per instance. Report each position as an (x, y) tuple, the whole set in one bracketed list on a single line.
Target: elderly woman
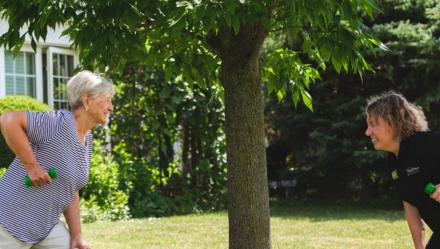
[(30, 216), (399, 127)]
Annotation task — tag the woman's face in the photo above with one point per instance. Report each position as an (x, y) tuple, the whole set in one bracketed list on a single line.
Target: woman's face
[(100, 108), (382, 134)]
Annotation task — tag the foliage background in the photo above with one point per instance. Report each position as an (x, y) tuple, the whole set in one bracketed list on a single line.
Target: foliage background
[(168, 140), (328, 147), (166, 150)]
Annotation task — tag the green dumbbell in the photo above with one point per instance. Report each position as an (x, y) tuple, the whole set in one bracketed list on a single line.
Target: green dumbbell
[(52, 173), (430, 188)]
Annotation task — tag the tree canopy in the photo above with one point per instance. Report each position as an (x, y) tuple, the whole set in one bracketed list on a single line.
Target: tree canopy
[(187, 35)]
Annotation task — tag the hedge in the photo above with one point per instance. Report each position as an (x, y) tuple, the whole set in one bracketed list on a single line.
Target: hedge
[(16, 103)]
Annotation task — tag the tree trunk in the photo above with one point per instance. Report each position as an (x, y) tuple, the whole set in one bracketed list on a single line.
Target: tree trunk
[(249, 218), (248, 195)]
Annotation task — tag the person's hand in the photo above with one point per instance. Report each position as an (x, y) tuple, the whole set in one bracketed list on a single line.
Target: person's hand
[(38, 175), (436, 194), (78, 243)]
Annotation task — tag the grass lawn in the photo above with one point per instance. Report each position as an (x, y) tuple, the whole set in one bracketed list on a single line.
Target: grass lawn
[(293, 225)]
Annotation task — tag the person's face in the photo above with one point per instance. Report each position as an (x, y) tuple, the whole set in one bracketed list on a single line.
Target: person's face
[(100, 108), (382, 134)]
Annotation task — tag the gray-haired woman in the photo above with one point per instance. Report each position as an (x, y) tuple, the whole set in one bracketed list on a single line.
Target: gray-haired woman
[(30, 216), (399, 127)]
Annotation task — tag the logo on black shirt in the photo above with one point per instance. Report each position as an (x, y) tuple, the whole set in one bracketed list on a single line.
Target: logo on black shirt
[(412, 170), (394, 175)]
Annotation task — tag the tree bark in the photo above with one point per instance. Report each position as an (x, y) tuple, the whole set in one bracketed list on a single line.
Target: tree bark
[(249, 219), (248, 198)]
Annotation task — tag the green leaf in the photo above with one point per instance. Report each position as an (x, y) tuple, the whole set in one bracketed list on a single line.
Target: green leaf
[(209, 18), (384, 47), (347, 39), (270, 70), (271, 86), (295, 96), (228, 19), (230, 5), (33, 44), (307, 99), (336, 63), (148, 45), (236, 24), (280, 94), (345, 65), (306, 80), (167, 72), (18, 45), (347, 9), (325, 48), (370, 7)]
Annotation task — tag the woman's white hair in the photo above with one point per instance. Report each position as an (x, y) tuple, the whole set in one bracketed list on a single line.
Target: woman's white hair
[(87, 83)]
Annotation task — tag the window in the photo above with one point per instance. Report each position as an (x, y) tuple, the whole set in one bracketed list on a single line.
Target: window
[(61, 64), (61, 73), (20, 77)]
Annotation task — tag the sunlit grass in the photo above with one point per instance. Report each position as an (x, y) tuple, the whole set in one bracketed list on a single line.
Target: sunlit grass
[(292, 226)]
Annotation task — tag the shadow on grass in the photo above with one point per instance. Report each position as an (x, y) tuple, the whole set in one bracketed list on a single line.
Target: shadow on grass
[(324, 210)]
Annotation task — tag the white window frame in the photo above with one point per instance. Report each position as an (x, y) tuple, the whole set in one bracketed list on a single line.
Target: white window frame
[(38, 71), (49, 66), (2, 73)]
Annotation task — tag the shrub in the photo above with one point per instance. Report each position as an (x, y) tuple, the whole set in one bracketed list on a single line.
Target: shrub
[(2, 172), (102, 198), (16, 103)]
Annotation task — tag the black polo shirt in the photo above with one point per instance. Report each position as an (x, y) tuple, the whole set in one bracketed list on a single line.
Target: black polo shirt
[(417, 164)]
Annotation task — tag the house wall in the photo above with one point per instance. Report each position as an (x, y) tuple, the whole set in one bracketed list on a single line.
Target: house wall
[(54, 42), (53, 37)]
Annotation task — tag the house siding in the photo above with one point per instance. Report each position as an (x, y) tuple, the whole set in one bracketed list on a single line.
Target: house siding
[(54, 40)]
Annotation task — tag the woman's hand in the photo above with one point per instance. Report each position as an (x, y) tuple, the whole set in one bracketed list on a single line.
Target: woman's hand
[(38, 175), (436, 194), (78, 242), (73, 220)]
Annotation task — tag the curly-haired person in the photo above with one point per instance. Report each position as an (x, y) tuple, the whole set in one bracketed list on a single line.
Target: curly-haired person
[(400, 128)]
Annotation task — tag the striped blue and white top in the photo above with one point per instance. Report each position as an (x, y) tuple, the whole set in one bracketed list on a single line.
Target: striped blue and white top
[(29, 214)]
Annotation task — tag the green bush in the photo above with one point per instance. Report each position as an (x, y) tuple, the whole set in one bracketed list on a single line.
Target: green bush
[(102, 198), (16, 103), (2, 172), (158, 203)]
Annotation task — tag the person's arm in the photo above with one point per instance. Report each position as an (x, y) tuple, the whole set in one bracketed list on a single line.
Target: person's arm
[(415, 225), (73, 219), (13, 127)]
